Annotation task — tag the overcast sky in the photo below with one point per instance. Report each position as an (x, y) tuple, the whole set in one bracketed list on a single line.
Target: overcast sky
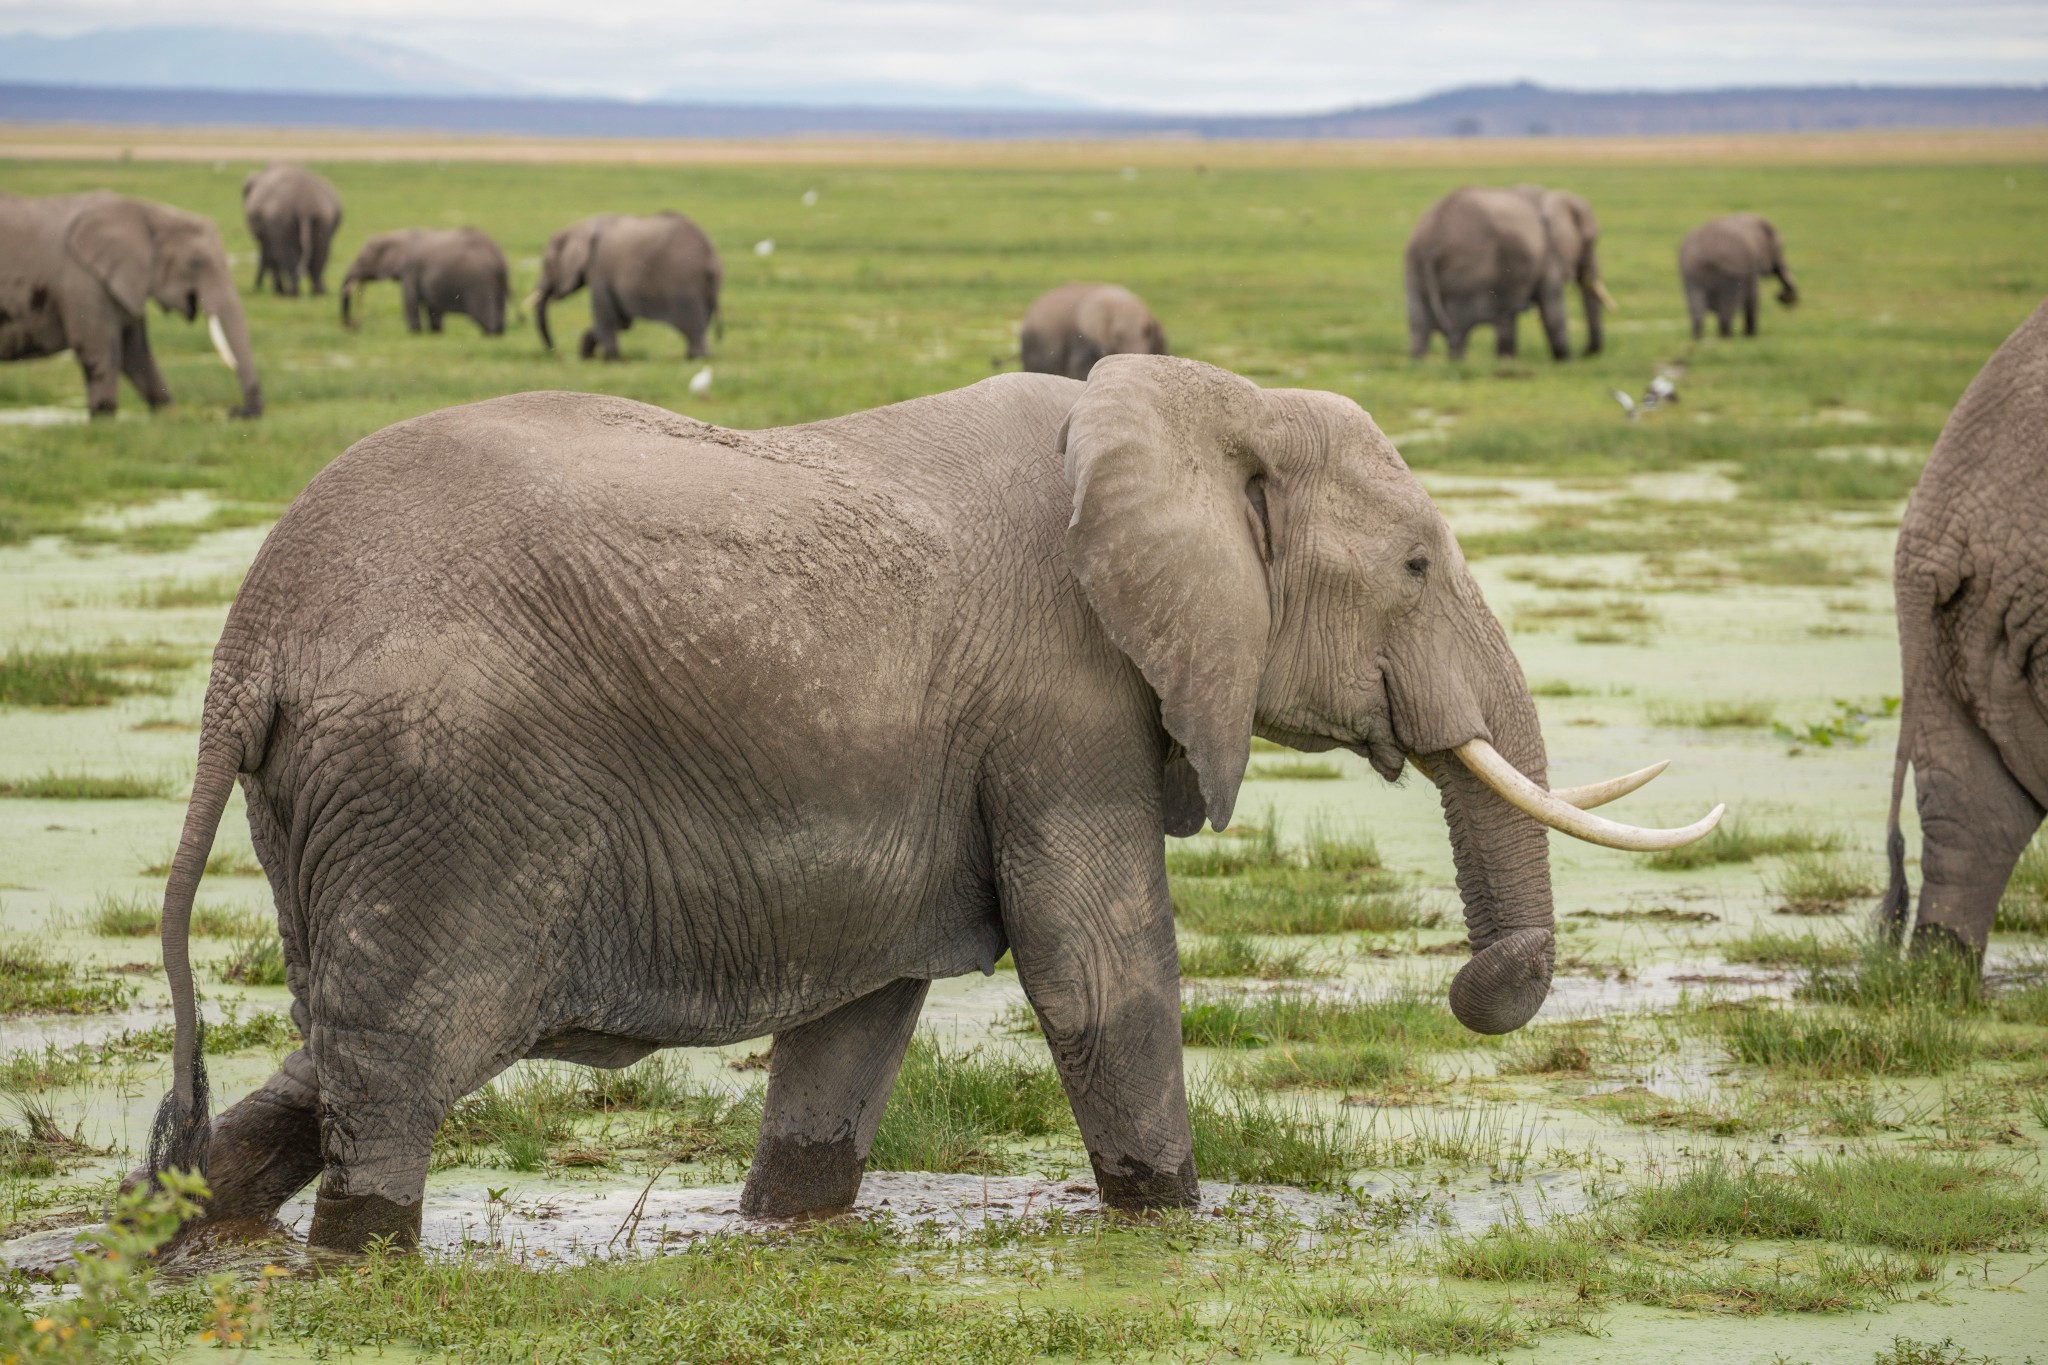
[(1273, 56)]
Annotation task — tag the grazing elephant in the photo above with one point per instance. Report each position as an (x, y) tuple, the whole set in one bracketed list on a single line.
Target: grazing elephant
[(440, 270), (1483, 256), (571, 728), (1575, 235), (292, 213), (1971, 580), (661, 267), (1719, 263), (1069, 328), (77, 272)]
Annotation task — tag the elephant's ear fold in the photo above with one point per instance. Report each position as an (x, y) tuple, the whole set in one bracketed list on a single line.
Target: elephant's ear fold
[(577, 244), (1170, 550), (111, 238)]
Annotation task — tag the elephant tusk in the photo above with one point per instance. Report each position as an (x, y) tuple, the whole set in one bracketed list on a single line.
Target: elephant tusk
[(1606, 299), (220, 342), (1589, 796), (531, 301), (1549, 808), (1613, 789)]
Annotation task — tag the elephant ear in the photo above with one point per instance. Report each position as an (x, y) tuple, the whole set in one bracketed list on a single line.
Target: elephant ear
[(111, 238), (574, 259), (1170, 547)]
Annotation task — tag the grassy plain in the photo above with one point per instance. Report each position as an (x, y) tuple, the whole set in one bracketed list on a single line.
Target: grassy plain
[(1731, 1109)]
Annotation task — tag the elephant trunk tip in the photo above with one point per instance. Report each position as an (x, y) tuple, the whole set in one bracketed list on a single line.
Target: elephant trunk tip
[(1506, 982)]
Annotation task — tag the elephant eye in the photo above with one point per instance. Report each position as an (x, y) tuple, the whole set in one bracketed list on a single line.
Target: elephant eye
[(1419, 565)]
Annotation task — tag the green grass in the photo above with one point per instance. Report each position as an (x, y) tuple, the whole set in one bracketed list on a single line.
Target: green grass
[(1743, 713), (1263, 1141), (1820, 884), (1234, 955), (1835, 1042), (1774, 948), (256, 960), (960, 1111), (56, 786), (1792, 568), (1402, 1019), (172, 594), (1326, 1066), (1738, 841), (222, 862), (1295, 770), (2023, 909), (71, 678), (1298, 902), (140, 915), (33, 980)]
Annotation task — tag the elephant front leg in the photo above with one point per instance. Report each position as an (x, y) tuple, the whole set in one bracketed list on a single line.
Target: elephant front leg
[(1975, 821), (409, 294), (1091, 927), (828, 1081)]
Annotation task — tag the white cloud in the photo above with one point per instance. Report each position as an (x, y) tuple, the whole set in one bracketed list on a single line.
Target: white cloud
[(1284, 55)]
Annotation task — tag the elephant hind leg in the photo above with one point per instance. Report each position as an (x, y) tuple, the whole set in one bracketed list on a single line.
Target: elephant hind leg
[(828, 1081), (265, 1148), (139, 364), (1749, 307), (1504, 340)]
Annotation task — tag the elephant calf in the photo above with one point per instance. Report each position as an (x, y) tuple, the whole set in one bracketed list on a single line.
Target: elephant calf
[(660, 267), (1719, 263), (77, 273), (1483, 257), (439, 271), (1066, 330), (292, 213), (572, 728), (1971, 580)]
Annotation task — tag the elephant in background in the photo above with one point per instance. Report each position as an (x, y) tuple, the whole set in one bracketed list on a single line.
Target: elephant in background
[(78, 271), (1971, 580), (661, 267), (1575, 235), (496, 832), (1719, 263), (292, 213), (1482, 257), (440, 271), (1066, 330)]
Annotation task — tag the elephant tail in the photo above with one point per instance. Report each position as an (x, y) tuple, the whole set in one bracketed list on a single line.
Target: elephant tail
[(1432, 293), (1916, 634), (179, 1137)]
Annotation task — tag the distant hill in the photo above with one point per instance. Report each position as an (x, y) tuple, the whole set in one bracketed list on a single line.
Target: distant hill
[(1496, 111), (188, 58)]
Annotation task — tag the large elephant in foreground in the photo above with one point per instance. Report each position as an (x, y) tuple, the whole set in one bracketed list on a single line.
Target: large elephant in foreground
[(78, 271), (1066, 330), (660, 267), (1719, 263), (1481, 257), (1971, 580), (293, 214), (571, 728), (439, 271)]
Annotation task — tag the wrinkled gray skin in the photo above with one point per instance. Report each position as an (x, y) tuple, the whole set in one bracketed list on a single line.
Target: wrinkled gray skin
[(1069, 328), (1971, 580), (292, 213), (1575, 237), (572, 728), (1482, 257), (439, 271), (78, 272), (661, 267), (1719, 262)]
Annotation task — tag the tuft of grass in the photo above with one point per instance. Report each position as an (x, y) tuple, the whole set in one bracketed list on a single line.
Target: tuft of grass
[(56, 786), (1229, 854), (1772, 948), (51, 1069), (1914, 1040), (956, 1112), (1235, 955), (1558, 687), (1820, 884), (39, 1148), (170, 594), (1326, 1066), (1260, 1141), (656, 1082), (257, 960), (70, 678), (1914, 1202), (2023, 909), (1794, 567), (1737, 841), (1738, 714), (222, 862), (1545, 1052), (521, 1117), (1402, 1019), (1296, 770), (2024, 1004), (33, 981), (138, 915), (1296, 901)]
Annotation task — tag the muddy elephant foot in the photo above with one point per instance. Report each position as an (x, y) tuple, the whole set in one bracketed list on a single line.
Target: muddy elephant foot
[(1936, 942), (352, 1222), (792, 1178), (1139, 1188)]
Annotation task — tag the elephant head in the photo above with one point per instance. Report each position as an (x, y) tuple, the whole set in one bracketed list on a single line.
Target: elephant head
[(1271, 566), (383, 257), (564, 269), (141, 251)]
